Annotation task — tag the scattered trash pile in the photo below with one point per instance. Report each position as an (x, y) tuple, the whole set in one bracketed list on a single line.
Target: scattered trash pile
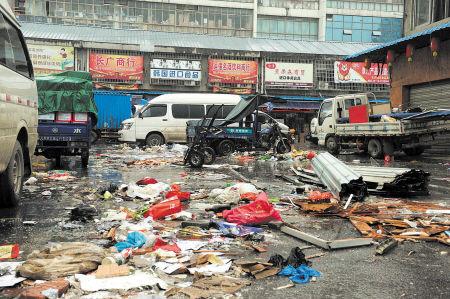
[(390, 221), (168, 247), (174, 240)]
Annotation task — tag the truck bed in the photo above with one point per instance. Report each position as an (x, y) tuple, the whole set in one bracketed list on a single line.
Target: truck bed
[(398, 128)]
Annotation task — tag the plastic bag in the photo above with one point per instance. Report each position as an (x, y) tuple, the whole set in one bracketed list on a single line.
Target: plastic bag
[(301, 274), (146, 181), (160, 244), (232, 229), (249, 196), (163, 209), (258, 212), (175, 191), (134, 240)]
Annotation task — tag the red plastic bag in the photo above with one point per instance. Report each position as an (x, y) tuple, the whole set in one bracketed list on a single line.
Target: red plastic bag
[(9, 251), (175, 191), (164, 208), (258, 212), (249, 196), (160, 244), (146, 181)]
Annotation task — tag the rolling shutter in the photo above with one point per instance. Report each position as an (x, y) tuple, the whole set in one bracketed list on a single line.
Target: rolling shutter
[(430, 95)]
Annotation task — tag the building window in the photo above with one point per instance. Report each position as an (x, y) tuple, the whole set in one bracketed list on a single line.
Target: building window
[(288, 28), (441, 10), (362, 29), (422, 12), (389, 6)]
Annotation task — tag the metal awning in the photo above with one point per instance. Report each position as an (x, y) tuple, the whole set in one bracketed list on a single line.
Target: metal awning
[(420, 39)]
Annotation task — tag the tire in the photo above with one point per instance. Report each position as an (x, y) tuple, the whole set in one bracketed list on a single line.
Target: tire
[(58, 161), (85, 158), (210, 155), (226, 147), (196, 159), (154, 139), (11, 181), (375, 148), (332, 145), (95, 135), (416, 151), (283, 147)]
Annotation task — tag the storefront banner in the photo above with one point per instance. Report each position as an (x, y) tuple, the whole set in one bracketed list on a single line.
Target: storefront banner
[(289, 75), (355, 72), (175, 64), (51, 59), (232, 71), (175, 74), (116, 67)]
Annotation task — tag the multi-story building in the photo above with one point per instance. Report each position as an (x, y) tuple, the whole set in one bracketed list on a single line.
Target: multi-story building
[(332, 20), (281, 47)]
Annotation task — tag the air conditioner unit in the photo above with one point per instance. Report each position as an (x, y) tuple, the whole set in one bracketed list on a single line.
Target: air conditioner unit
[(323, 85)]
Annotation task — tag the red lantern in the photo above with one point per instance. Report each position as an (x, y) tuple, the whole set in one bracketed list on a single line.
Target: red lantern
[(409, 52), (434, 46), (390, 57), (367, 63)]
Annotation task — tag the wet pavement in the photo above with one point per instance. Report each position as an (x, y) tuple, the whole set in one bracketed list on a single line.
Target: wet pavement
[(412, 270)]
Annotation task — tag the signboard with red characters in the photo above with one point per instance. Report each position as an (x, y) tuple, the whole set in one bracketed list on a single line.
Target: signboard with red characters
[(116, 67), (232, 71), (355, 72), (289, 75)]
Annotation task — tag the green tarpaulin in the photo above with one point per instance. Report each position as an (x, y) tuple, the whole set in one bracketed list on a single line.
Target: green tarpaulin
[(66, 92)]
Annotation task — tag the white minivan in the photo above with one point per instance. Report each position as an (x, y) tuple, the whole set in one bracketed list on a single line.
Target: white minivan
[(164, 118), (18, 108)]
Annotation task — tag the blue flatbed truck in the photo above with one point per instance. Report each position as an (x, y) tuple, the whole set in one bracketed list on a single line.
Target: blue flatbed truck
[(67, 114)]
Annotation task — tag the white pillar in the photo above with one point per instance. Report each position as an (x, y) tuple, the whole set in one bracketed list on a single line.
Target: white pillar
[(322, 20), (255, 17)]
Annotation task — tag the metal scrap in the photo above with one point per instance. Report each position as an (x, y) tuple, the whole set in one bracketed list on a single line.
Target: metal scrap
[(394, 181), (340, 179)]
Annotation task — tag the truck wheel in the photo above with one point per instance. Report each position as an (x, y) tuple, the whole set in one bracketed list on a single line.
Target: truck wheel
[(226, 147), (210, 155), (416, 151), (11, 180), (95, 135), (332, 145), (85, 158), (154, 140), (375, 148), (196, 159), (58, 161)]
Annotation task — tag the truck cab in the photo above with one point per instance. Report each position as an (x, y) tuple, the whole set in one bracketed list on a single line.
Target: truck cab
[(330, 112)]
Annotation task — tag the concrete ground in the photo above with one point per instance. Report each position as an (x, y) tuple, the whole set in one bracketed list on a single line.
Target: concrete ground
[(412, 270)]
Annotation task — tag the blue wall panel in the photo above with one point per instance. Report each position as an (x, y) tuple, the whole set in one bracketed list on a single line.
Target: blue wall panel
[(113, 108)]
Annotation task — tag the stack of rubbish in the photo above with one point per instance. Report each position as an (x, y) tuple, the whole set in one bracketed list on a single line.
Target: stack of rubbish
[(161, 247)]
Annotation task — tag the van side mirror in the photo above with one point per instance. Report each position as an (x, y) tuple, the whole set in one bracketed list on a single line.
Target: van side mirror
[(140, 115)]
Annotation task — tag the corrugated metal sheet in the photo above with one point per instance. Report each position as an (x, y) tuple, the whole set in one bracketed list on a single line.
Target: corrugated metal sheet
[(340, 179), (421, 38), (113, 108), (147, 40)]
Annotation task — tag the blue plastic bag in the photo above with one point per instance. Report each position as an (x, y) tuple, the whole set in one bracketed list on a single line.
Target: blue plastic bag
[(301, 274), (237, 230), (134, 240)]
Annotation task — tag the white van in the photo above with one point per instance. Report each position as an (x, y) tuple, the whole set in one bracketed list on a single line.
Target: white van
[(18, 108), (164, 118)]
